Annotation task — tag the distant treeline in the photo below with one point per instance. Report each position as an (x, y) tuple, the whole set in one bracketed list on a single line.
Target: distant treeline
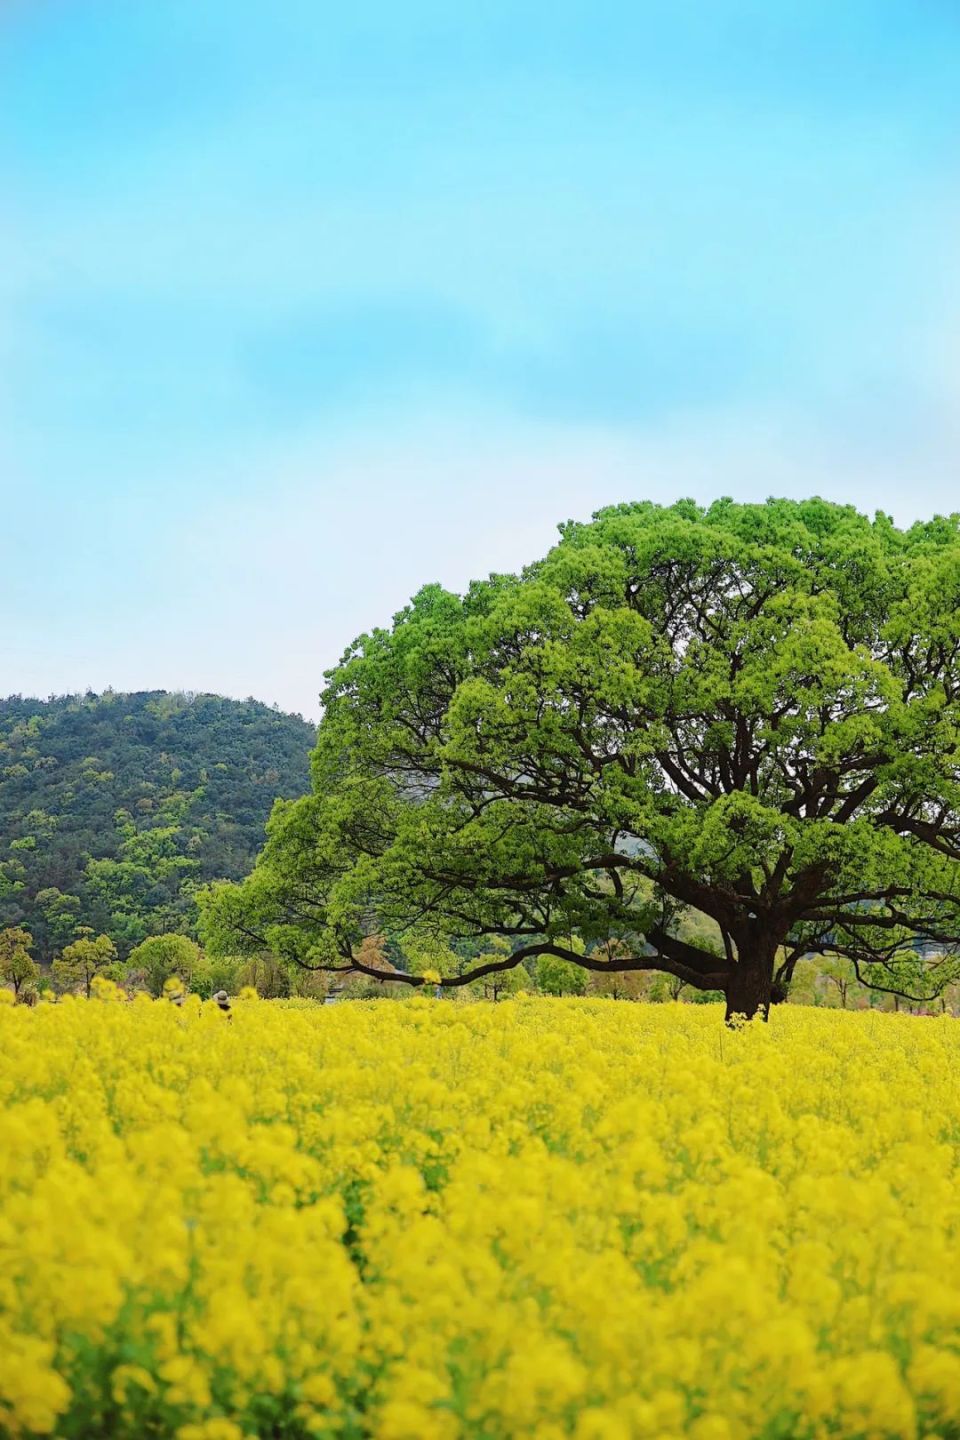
[(115, 808)]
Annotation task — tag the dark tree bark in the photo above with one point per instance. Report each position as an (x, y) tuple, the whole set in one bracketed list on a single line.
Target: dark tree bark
[(749, 987)]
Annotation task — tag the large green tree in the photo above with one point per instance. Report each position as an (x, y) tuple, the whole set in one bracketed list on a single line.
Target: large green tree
[(747, 715)]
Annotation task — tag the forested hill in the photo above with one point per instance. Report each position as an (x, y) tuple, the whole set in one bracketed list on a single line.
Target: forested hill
[(115, 808)]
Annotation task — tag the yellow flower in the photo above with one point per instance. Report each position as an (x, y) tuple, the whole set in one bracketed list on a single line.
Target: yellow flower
[(127, 1377), (580, 1220), (214, 1429)]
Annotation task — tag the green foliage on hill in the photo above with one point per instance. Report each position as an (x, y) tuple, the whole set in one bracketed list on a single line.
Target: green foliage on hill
[(115, 808)]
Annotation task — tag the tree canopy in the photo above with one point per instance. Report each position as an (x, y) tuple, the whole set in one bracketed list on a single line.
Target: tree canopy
[(17, 969), (748, 714), (159, 958), (84, 959)]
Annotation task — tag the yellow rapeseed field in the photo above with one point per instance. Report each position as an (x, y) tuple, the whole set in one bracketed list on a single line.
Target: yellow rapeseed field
[(426, 1219)]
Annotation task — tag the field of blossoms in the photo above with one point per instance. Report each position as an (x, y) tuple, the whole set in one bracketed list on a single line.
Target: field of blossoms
[(428, 1219)]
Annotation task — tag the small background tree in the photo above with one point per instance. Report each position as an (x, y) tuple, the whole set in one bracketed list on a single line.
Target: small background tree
[(838, 981), (266, 974), (503, 983), (212, 973), (17, 969), (85, 958), (358, 984), (620, 985), (666, 987), (556, 976), (158, 958)]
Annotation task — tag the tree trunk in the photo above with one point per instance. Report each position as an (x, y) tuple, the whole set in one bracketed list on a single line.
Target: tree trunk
[(750, 986)]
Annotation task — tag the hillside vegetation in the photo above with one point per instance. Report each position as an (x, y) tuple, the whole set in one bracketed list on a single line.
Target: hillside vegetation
[(114, 808)]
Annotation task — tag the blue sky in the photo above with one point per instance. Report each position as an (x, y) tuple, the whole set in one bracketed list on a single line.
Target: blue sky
[(304, 305)]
